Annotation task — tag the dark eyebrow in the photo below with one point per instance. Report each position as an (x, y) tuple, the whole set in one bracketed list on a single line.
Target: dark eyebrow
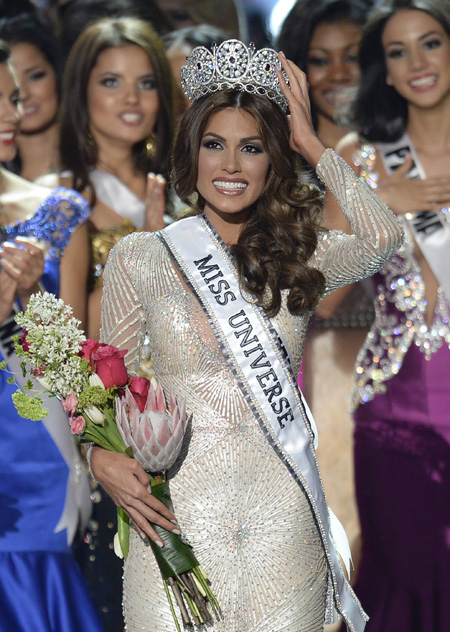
[(422, 37), (35, 67), (221, 138), (327, 50), (111, 73)]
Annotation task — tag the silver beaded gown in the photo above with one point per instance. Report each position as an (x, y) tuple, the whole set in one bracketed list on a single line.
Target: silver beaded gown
[(251, 525)]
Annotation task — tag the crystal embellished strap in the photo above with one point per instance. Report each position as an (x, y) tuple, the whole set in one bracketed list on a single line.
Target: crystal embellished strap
[(236, 66)]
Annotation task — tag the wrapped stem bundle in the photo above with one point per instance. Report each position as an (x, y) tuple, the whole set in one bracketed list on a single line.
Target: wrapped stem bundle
[(180, 570)]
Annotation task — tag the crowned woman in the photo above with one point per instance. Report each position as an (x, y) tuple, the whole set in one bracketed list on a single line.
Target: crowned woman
[(224, 296)]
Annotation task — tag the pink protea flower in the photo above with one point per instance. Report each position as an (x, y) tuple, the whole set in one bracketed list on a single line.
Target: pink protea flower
[(155, 436)]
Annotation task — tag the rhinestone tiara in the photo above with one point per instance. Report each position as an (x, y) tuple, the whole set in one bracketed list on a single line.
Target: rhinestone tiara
[(236, 66)]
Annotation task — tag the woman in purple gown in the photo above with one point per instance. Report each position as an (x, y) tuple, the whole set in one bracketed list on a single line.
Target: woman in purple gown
[(401, 395)]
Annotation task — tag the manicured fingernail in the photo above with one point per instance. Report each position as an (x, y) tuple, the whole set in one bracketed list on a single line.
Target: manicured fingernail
[(142, 535), (174, 521), (160, 178), (151, 175), (160, 543), (176, 531)]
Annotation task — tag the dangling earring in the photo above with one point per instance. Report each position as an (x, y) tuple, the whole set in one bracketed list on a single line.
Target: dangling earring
[(150, 147)]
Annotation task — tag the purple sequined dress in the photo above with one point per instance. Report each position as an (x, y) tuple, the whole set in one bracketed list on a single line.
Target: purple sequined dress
[(401, 403)]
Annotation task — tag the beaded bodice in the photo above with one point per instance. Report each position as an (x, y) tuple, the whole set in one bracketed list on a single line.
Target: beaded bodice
[(400, 309), (53, 222)]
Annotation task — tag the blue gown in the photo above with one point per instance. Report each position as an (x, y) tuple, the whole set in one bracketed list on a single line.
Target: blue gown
[(41, 586)]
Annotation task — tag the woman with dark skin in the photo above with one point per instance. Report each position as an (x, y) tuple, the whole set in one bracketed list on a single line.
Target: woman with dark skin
[(322, 37)]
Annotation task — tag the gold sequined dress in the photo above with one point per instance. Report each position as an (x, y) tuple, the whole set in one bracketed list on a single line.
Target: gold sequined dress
[(250, 524)]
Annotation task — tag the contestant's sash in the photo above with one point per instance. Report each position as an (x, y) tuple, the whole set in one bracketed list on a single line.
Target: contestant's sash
[(430, 228), (77, 505), (246, 337)]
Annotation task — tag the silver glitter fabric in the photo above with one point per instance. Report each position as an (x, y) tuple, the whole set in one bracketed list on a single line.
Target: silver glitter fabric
[(250, 523), (400, 309)]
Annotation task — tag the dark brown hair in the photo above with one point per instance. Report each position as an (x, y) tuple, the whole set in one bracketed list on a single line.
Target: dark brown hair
[(380, 112), (78, 151), (280, 236)]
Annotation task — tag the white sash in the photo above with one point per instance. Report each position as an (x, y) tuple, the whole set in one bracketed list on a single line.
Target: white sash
[(430, 229), (247, 339), (77, 505)]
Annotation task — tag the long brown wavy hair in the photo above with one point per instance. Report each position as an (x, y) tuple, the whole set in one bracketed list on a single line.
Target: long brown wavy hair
[(281, 235)]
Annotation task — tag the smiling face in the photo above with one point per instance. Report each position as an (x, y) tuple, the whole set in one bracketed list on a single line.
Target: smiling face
[(38, 88), (10, 112), (122, 97), (332, 66), (232, 166), (417, 53)]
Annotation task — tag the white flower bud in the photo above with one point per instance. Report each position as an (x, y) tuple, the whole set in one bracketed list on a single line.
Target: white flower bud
[(95, 380), (95, 415), (117, 548)]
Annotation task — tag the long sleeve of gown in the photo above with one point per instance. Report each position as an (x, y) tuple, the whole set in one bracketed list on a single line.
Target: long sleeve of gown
[(376, 235), (123, 321)]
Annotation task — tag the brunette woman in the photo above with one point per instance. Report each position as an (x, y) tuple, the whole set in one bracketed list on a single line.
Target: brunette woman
[(37, 61), (400, 397), (269, 554), (116, 128)]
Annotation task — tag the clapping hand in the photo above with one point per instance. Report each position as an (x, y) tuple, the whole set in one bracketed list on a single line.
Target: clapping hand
[(303, 138), (22, 265), (155, 203)]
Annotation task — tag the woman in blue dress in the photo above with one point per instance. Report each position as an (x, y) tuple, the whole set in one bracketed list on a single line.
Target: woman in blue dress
[(44, 494)]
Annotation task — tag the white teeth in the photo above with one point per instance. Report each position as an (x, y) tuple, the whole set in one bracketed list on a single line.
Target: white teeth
[(424, 81), (6, 136), (231, 186), (131, 118)]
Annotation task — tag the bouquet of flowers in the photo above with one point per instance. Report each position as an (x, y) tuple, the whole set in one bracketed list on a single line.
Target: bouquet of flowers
[(120, 413)]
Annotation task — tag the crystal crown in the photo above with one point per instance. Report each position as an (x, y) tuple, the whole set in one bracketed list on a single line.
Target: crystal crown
[(236, 66)]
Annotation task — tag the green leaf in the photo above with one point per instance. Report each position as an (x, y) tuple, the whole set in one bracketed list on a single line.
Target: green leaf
[(29, 385), (123, 529), (11, 379), (3, 365), (23, 366), (176, 556)]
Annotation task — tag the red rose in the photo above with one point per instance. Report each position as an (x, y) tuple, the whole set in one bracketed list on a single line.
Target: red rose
[(110, 366), (88, 348), (23, 340), (138, 387)]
